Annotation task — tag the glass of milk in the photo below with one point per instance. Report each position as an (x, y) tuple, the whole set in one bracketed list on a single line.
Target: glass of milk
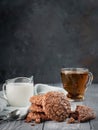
[(17, 91)]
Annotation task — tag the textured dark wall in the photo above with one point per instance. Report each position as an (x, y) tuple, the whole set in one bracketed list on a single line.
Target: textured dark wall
[(38, 37)]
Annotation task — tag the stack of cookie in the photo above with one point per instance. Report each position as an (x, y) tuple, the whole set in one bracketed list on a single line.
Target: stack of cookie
[(36, 112), (54, 106), (50, 106)]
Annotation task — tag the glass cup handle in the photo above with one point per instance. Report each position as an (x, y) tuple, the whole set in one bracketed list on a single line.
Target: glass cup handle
[(90, 78), (4, 91)]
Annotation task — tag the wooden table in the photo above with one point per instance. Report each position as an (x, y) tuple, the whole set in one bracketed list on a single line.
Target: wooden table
[(91, 99)]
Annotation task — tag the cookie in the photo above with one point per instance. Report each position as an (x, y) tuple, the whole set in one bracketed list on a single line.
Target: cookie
[(85, 113), (36, 116), (55, 106), (37, 99), (35, 108), (71, 120)]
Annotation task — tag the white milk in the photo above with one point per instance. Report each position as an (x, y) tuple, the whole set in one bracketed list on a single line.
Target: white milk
[(18, 94)]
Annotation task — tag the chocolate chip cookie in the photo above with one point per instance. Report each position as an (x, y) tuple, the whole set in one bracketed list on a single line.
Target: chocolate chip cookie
[(36, 108), (85, 113), (36, 116), (37, 99), (55, 106)]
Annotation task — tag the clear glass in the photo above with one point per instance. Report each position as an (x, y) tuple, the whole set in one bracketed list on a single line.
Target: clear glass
[(17, 91), (75, 81)]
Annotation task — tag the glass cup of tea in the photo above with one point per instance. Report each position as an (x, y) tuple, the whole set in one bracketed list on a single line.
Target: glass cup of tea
[(75, 81)]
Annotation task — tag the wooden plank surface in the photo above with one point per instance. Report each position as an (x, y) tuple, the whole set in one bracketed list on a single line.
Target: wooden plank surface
[(91, 99), (20, 125), (52, 125)]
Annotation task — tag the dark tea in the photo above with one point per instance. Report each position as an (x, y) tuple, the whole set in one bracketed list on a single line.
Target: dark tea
[(75, 81)]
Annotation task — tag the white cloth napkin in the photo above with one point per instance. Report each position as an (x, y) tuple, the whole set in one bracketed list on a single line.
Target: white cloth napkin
[(5, 108), (43, 88), (38, 89), (3, 102)]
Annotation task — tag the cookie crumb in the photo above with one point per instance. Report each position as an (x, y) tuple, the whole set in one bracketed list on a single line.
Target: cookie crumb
[(33, 124), (71, 120), (37, 121)]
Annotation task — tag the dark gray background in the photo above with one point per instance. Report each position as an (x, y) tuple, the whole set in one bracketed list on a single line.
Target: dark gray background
[(39, 37)]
